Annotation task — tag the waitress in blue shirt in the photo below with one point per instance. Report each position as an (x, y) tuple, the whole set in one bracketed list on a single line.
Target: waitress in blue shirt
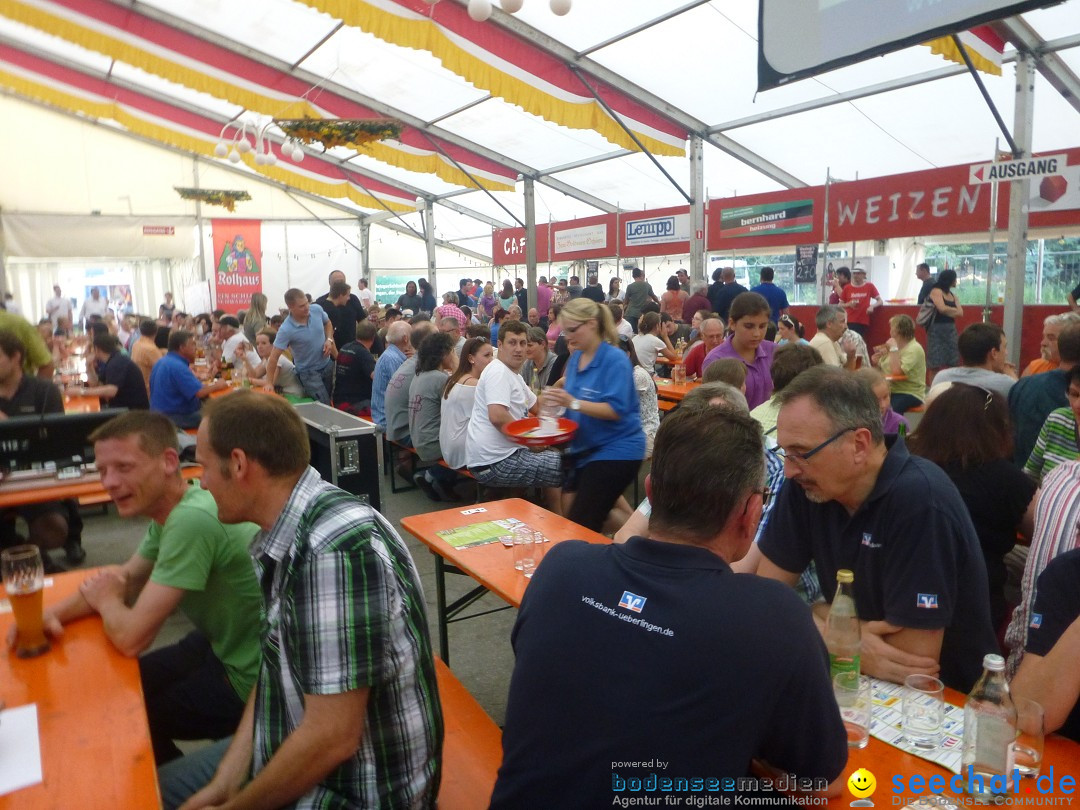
[(598, 393)]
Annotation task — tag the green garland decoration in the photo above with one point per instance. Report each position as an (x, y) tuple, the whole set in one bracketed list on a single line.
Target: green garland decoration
[(214, 196), (330, 132)]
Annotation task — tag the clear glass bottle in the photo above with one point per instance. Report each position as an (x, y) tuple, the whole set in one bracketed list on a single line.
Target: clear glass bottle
[(989, 730), (842, 635)]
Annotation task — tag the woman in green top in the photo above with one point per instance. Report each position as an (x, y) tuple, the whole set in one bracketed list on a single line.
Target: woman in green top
[(903, 362)]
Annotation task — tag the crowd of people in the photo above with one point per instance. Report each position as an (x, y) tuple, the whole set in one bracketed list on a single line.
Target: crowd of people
[(792, 460)]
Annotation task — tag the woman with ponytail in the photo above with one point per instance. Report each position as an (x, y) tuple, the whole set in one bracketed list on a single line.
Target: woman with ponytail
[(599, 394)]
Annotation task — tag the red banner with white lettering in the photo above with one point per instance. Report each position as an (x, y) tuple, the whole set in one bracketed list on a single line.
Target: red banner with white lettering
[(508, 245), (237, 262)]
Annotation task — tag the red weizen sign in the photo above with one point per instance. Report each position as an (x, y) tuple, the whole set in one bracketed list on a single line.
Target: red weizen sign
[(237, 262)]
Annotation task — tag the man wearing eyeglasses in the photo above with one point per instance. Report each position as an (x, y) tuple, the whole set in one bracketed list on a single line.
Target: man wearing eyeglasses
[(896, 520)]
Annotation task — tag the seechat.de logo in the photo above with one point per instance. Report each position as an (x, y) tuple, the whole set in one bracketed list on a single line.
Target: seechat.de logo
[(927, 600), (631, 601)]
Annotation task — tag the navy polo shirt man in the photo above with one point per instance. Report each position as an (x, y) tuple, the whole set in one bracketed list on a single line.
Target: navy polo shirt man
[(894, 519), (1048, 672), (660, 654), (1033, 398)]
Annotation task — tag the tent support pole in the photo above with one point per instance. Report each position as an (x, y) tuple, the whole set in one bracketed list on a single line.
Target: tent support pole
[(986, 96), (429, 241), (697, 210), (365, 254), (1016, 267), (530, 242), (199, 221)]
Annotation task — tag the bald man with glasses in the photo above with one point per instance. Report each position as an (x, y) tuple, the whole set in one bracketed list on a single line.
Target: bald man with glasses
[(855, 501)]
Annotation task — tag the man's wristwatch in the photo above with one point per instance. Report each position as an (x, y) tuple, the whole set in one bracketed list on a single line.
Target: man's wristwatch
[(575, 404)]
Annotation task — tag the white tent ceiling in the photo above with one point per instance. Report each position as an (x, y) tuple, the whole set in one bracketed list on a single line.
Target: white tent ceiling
[(701, 62)]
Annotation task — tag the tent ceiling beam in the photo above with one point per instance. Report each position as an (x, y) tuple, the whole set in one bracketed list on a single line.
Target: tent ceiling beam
[(314, 80), (460, 109), (1060, 76), (578, 164), (472, 254), (1049, 47), (643, 27), (618, 119), (643, 96), (986, 96)]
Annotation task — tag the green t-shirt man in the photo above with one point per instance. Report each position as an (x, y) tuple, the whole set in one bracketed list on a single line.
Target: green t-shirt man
[(37, 353), (209, 560), (638, 295)]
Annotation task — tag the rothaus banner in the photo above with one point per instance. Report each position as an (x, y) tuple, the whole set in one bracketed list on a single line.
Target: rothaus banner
[(237, 262)]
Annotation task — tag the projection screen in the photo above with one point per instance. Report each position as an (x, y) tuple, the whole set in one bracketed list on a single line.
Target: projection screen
[(801, 38)]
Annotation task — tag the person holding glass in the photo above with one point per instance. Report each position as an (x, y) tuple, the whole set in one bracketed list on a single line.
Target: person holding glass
[(599, 394), (903, 362)]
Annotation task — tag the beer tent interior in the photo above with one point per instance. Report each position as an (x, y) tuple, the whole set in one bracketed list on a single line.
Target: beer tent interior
[(107, 107)]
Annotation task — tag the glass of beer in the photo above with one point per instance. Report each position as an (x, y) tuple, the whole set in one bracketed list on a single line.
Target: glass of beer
[(24, 580)]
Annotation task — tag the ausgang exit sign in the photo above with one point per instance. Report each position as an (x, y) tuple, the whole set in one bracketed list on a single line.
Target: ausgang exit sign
[(1045, 166)]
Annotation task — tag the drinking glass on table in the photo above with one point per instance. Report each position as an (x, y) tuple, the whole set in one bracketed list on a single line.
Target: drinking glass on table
[(923, 711), (524, 545), (24, 580), (1026, 751), (853, 696)]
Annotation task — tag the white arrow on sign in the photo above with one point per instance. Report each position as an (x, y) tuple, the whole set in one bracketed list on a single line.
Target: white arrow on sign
[(1008, 170)]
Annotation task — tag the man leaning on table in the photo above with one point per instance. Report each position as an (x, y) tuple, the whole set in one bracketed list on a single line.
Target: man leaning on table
[(659, 654), (894, 519), (188, 559), (347, 713)]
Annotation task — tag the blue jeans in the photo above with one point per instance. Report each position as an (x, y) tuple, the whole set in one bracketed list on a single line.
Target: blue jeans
[(318, 382), (182, 778)]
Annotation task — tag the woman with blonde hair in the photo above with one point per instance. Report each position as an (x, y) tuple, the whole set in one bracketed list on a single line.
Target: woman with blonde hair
[(255, 319), (599, 394)]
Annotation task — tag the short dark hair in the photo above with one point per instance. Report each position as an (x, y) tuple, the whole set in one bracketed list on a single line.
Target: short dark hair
[(433, 350), (791, 360), (637, 273), (844, 271), (513, 327), (294, 294), (673, 283), (923, 266), (155, 431), (147, 327), (766, 274), (707, 459), (178, 338), (365, 330), (747, 304), (11, 345), (977, 341), (730, 370), (267, 429), (339, 288), (107, 343), (847, 401)]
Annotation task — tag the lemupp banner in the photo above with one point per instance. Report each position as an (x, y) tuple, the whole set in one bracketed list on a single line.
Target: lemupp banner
[(237, 262), (768, 219)]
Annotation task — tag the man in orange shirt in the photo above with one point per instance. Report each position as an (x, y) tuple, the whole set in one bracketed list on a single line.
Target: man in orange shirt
[(144, 352), (1048, 349)]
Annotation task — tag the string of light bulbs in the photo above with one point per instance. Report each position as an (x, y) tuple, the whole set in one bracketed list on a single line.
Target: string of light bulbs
[(480, 10)]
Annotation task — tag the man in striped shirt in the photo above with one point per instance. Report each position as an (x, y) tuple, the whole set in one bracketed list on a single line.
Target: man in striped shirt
[(347, 713)]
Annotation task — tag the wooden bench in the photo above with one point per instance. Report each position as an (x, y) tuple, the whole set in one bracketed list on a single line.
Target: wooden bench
[(472, 747), (666, 405), (390, 467)]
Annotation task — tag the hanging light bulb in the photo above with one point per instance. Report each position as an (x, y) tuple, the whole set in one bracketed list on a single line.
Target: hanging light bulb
[(479, 10), (234, 156), (221, 150), (270, 159), (260, 159), (297, 153), (560, 7), (242, 146), (511, 6)]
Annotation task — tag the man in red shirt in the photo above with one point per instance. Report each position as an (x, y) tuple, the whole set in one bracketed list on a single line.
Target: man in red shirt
[(712, 335), (860, 298)]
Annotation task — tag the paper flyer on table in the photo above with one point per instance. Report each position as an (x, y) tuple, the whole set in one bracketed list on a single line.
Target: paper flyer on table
[(20, 749), (886, 726), (479, 534)]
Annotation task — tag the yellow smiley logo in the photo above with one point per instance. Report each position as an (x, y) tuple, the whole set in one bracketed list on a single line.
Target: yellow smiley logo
[(862, 784)]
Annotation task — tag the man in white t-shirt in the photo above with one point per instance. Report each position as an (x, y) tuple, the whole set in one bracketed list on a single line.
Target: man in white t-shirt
[(831, 326), (93, 306), (233, 339), (58, 310), (503, 397), (366, 296)]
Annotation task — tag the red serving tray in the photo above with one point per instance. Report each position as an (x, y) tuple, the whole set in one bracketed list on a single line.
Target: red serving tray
[(519, 430)]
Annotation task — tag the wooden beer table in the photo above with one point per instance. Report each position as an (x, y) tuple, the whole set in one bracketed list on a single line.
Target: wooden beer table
[(666, 389), (491, 565), (885, 761), (87, 487), (95, 741), (74, 404)]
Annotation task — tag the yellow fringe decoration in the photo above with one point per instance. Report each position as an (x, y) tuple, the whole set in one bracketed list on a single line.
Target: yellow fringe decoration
[(118, 49), (116, 112), (424, 35), (944, 46)]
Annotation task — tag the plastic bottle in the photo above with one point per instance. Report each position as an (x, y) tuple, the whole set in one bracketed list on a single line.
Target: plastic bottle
[(842, 635), (989, 729)]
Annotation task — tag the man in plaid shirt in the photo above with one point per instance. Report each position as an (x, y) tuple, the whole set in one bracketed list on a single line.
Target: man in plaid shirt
[(345, 712)]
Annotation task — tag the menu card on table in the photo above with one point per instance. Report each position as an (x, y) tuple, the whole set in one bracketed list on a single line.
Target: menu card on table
[(20, 749), (479, 534), (886, 726)]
